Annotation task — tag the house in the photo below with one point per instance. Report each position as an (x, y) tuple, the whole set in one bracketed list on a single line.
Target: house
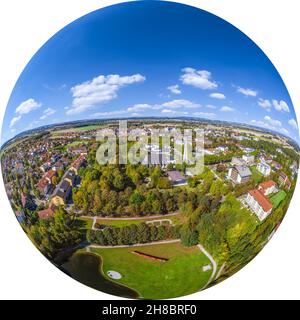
[(239, 174), (47, 213), (259, 204), (267, 187), (62, 193), (78, 163), (70, 177), (20, 216), (276, 165), (235, 161), (294, 168), (45, 184), (284, 180), (249, 159), (176, 177), (263, 168), (80, 150)]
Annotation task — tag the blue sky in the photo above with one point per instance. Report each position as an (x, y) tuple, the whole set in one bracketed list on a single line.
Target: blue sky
[(149, 58)]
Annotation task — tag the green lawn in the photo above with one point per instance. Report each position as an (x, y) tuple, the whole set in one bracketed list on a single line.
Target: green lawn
[(181, 275), (75, 143), (256, 176), (277, 198)]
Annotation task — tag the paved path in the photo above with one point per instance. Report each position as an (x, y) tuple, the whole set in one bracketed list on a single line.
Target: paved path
[(161, 216), (221, 270), (213, 262), (133, 245)]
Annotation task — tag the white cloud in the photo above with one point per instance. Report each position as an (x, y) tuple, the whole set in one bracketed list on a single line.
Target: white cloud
[(14, 120), (198, 78), (47, 112), (273, 122), (174, 89), (27, 106), (140, 107), (24, 108), (265, 103), (174, 112), (218, 95), (293, 124), (109, 113), (210, 106), (226, 109), (281, 105), (181, 103), (247, 92), (99, 90), (204, 114)]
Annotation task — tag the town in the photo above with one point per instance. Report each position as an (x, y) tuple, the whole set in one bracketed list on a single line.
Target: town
[(248, 177)]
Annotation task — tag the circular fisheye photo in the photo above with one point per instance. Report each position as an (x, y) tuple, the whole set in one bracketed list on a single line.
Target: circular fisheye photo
[(150, 150)]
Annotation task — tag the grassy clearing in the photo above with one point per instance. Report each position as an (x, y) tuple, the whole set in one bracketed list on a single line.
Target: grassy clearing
[(277, 198), (181, 275), (256, 175)]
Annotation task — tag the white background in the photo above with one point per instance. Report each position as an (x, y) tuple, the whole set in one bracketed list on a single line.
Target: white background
[(26, 25)]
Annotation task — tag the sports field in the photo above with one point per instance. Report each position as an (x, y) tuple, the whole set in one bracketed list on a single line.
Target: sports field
[(182, 274)]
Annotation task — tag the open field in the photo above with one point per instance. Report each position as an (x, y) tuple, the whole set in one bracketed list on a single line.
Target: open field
[(277, 198), (181, 275), (76, 129), (75, 143)]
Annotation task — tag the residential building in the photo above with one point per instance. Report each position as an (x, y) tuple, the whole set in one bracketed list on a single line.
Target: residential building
[(259, 204), (239, 174), (284, 180), (78, 163), (267, 187), (176, 177), (62, 193), (249, 159), (47, 213), (264, 168)]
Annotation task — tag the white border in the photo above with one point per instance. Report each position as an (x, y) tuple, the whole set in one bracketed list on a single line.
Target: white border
[(26, 25)]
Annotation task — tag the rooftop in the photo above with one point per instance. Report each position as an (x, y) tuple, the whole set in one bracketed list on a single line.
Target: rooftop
[(262, 200)]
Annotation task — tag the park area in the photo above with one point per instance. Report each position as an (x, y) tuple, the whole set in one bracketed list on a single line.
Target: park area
[(178, 272)]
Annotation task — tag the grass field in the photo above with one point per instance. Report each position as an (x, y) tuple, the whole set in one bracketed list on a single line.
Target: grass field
[(178, 219), (277, 198), (181, 275), (75, 143), (256, 176), (76, 129)]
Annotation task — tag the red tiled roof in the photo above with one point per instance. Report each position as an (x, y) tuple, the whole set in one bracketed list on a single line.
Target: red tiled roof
[(46, 213), (78, 162), (267, 184), (262, 200)]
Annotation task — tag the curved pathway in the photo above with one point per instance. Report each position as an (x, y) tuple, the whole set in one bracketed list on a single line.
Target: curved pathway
[(132, 245), (213, 262)]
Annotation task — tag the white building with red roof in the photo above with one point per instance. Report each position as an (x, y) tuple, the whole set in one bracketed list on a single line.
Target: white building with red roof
[(267, 187), (259, 204)]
